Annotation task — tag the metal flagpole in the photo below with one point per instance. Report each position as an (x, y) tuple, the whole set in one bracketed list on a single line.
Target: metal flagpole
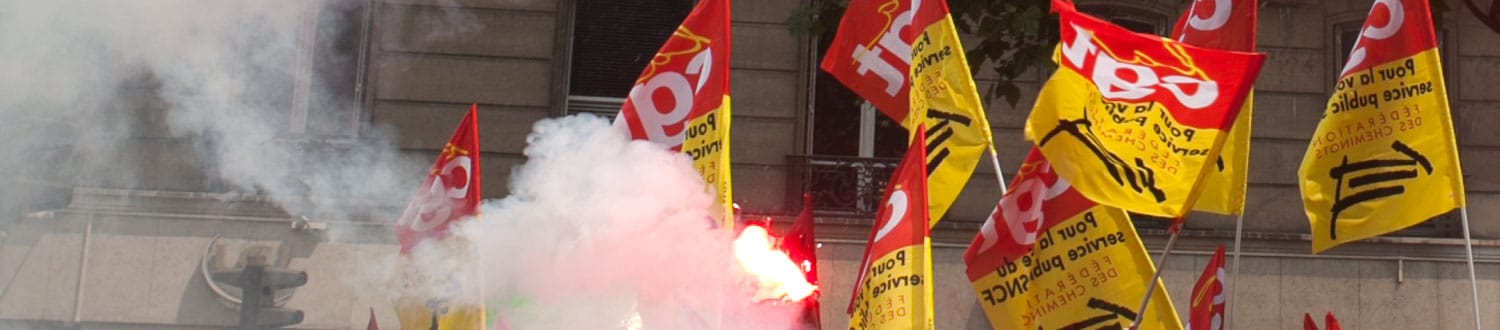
[(1463, 214), (999, 175), (1140, 315), (1234, 280)]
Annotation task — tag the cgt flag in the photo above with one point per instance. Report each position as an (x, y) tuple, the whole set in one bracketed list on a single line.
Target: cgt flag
[(1383, 157), (681, 100), (893, 290), (1048, 258), (449, 194), (881, 44), (1227, 25), (1207, 309), (1135, 121)]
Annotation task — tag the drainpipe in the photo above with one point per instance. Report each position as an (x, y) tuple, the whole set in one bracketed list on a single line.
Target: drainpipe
[(83, 267)]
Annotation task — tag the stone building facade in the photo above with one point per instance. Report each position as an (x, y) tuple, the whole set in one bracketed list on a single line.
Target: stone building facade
[(127, 255)]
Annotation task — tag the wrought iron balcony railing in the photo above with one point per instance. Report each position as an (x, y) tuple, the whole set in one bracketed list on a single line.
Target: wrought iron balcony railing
[(841, 185)]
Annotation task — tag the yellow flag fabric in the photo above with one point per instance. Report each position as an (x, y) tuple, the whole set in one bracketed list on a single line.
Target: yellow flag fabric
[(1087, 272), (944, 98), (1383, 158), (1136, 121), (898, 295), (708, 144), (1224, 186), (416, 314)]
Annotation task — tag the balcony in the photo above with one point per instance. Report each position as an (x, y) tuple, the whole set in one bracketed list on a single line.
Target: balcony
[(841, 186)]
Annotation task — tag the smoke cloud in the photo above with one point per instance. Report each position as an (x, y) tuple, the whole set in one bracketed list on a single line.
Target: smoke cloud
[(598, 227), (234, 96), (245, 97)]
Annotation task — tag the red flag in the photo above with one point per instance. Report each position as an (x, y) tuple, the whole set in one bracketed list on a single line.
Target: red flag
[(1308, 323), (903, 220), (873, 59), (451, 190), (800, 243), (1332, 323), (372, 325), (1219, 24), (1207, 305)]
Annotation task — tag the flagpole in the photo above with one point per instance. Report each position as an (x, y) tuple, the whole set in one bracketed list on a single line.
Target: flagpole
[(1234, 280), (995, 160), (1156, 278), (1463, 214)]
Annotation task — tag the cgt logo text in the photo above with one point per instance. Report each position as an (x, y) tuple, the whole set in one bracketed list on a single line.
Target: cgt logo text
[(1120, 80), (656, 118)]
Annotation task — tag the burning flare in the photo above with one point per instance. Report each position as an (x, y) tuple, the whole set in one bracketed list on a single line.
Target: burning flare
[(777, 276)]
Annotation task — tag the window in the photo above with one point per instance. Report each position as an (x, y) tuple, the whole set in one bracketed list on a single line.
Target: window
[(844, 124), (613, 40), (853, 149), (339, 54), (1133, 19)]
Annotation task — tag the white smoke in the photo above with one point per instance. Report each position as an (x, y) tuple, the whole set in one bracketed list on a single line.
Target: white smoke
[(192, 95), (598, 227), (203, 95)]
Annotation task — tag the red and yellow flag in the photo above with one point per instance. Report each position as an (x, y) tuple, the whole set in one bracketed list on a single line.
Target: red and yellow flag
[(1048, 258), (1383, 158), (682, 101), (894, 289), (1136, 121), (1227, 25), (451, 190), (449, 194), (1206, 311), (883, 48)]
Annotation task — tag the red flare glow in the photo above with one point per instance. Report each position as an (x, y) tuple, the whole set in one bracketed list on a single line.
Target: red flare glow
[(776, 275)]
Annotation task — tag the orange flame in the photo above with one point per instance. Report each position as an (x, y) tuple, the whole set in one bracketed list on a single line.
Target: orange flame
[(776, 275)]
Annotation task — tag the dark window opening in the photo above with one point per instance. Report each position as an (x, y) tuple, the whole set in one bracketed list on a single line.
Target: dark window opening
[(838, 125), (338, 56), (1132, 19), (613, 41)]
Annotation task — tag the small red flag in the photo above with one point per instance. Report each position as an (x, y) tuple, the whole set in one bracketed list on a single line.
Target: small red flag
[(1332, 323), (451, 190), (800, 243), (372, 325), (1207, 311), (1308, 323)]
